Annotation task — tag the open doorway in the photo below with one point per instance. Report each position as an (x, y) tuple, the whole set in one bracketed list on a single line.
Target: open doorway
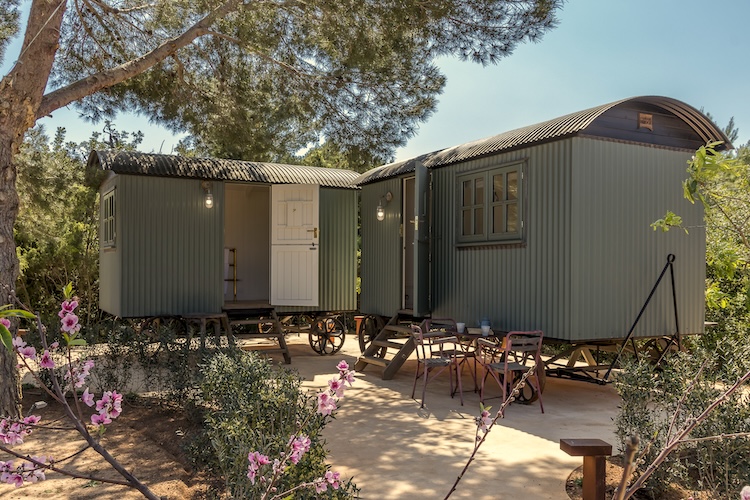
[(247, 243)]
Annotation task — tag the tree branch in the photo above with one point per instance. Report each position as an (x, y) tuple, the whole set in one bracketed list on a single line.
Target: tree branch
[(107, 78)]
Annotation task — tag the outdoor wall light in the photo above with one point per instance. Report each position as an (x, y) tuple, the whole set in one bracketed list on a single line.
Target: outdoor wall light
[(208, 199), (380, 212)]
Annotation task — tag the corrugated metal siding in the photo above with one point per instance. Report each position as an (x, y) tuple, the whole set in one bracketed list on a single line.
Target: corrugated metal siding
[(110, 259), (338, 252), (171, 247), (618, 191), (137, 163), (381, 249), (518, 287)]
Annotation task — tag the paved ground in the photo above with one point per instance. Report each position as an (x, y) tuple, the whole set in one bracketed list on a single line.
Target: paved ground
[(395, 450)]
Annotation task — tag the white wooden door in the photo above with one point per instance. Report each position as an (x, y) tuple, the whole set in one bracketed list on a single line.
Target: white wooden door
[(294, 244)]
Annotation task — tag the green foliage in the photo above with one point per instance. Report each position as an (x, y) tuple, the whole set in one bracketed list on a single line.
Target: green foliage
[(9, 17), (680, 390), (252, 406), (272, 78), (56, 231)]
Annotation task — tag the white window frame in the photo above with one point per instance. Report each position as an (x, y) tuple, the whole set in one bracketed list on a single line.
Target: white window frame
[(484, 233), (108, 219)]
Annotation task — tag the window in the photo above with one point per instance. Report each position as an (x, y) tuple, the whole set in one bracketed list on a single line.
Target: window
[(108, 219), (490, 205)]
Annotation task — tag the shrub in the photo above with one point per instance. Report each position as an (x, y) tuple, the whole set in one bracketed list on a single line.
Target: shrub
[(252, 406), (656, 403)]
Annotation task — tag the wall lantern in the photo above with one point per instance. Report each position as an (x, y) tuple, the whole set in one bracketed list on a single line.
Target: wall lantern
[(208, 199), (381, 209)]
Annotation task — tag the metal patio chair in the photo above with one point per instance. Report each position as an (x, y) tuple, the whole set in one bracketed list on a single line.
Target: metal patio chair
[(507, 361), (435, 353)]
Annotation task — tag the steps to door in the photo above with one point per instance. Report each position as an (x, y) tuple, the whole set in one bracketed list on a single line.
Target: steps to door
[(392, 346)]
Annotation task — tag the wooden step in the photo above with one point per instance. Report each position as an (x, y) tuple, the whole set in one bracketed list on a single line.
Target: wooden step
[(387, 344), (398, 328), (374, 360)]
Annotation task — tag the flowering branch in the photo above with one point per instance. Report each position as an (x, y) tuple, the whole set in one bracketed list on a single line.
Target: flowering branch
[(109, 407), (485, 423), (299, 444)]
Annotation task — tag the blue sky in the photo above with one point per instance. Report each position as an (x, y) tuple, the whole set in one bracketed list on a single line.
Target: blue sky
[(602, 51)]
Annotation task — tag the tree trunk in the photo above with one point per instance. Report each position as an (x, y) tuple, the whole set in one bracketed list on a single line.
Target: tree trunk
[(21, 92)]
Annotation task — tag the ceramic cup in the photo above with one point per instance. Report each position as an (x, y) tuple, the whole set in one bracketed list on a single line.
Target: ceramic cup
[(485, 330), (460, 327)]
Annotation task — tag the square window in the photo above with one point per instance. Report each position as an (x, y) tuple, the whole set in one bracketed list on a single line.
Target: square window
[(491, 214)]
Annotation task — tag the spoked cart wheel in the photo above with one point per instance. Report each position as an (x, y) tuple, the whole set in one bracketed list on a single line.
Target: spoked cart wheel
[(369, 327), (528, 394), (327, 335)]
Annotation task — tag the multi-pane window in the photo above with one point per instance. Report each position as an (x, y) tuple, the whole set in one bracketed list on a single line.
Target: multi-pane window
[(490, 205), (108, 219)]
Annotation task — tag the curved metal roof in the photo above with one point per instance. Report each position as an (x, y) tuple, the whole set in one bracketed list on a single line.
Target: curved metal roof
[(551, 130), (133, 162)]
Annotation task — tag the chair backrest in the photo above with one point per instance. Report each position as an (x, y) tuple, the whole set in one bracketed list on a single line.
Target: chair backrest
[(524, 344), (432, 344)]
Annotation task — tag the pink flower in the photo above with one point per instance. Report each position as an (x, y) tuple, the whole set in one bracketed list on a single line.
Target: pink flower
[(343, 366), (54, 345), (110, 404), (256, 460), (87, 398), (67, 307), (18, 343), (337, 387), (745, 493), (300, 445), (333, 479), (99, 419), (28, 352), (320, 485), (46, 360), (5, 322), (326, 404), (70, 323), (484, 420)]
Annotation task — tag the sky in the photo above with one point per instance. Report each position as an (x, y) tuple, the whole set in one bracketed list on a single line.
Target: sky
[(602, 51)]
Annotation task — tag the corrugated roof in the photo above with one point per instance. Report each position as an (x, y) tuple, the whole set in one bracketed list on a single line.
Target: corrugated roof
[(131, 162), (557, 128)]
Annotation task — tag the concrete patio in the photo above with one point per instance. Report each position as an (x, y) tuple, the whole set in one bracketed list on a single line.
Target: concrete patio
[(394, 449)]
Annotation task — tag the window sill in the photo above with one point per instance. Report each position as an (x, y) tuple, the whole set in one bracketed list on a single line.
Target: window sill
[(514, 243)]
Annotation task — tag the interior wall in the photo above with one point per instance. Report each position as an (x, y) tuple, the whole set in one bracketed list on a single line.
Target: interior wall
[(247, 229)]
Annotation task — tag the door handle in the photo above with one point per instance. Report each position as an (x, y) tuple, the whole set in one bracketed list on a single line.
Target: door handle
[(314, 231)]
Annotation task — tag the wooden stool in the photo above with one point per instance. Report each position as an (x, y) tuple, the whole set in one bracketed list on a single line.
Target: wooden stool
[(594, 453), (219, 320)]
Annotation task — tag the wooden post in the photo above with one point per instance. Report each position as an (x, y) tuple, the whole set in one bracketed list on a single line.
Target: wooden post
[(594, 453)]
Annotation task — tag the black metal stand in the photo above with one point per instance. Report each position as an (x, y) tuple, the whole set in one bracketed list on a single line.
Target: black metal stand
[(675, 338)]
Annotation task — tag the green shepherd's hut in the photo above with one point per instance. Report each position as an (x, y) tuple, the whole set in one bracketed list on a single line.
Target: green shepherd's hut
[(547, 227)]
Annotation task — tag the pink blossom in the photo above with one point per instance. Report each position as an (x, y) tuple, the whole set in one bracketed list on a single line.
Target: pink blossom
[(46, 360), (256, 460), (110, 404), (79, 373), (333, 479), (70, 323), (326, 403), (99, 419), (54, 345), (343, 366), (5, 322), (87, 398), (300, 445), (337, 387), (19, 343), (320, 485), (67, 307), (28, 352), (745, 493), (484, 420)]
